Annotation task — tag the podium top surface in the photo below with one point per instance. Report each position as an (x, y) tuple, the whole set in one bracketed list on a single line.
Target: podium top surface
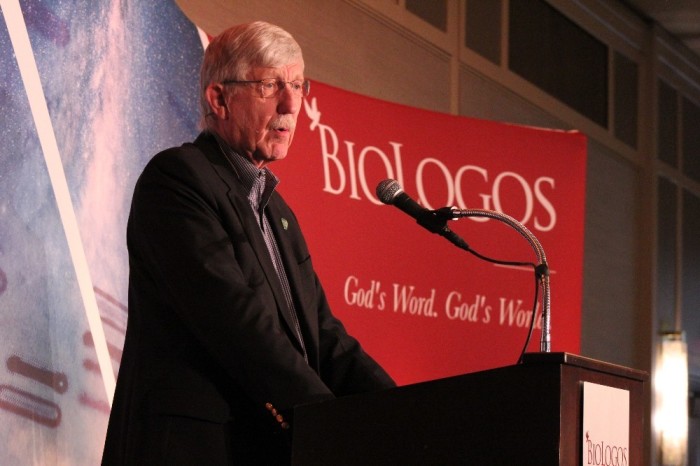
[(585, 363)]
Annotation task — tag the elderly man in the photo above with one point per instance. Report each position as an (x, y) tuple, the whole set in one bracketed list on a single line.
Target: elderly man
[(229, 327)]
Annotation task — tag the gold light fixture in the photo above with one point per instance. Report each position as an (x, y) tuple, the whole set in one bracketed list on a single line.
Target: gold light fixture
[(671, 399)]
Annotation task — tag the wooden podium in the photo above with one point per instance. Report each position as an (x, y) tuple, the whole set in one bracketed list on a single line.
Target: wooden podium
[(527, 414)]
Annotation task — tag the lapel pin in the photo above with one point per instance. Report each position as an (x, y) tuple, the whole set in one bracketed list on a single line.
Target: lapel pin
[(285, 223)]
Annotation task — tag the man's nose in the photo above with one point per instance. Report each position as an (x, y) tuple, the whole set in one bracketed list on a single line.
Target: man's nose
[(288, 102)]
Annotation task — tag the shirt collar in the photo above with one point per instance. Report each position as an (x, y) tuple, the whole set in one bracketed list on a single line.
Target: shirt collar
[(259, 183)]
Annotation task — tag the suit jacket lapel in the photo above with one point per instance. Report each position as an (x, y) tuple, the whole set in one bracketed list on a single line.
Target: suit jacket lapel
[(282, 227), (239, 201)]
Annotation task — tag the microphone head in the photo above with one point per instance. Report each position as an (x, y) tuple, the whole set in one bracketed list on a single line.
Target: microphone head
[(387, 191)]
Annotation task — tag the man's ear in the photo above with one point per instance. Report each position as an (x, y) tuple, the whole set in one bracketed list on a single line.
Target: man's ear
[(216, 98)]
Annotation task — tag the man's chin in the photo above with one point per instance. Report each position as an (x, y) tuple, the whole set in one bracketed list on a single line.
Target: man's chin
[(272, 154)]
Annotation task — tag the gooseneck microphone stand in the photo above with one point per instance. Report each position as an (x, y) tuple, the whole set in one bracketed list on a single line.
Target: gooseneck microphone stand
[(390, 192), (541, 269)]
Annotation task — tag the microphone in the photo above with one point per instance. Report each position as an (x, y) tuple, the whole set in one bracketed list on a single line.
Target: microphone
[(435, 221), (391, 193)]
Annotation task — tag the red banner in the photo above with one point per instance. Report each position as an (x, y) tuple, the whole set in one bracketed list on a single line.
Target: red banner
[(422, 307)]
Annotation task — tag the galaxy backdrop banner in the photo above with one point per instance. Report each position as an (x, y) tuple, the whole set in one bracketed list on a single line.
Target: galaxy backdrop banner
[(114, 91), (90, 90)]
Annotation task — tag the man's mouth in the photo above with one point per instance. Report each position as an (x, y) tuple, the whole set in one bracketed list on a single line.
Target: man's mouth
[(282, 124)]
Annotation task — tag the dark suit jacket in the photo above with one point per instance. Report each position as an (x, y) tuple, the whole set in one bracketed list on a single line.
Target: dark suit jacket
[(207, 345)]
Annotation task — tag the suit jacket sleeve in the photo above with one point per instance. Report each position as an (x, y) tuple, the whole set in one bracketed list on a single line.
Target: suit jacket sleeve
[(340, 360), (344, 365)]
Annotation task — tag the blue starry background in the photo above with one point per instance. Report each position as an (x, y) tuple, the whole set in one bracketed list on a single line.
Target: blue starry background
[(120, 82)]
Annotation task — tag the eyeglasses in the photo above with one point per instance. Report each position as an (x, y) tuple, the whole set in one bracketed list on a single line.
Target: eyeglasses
[(271, 87)]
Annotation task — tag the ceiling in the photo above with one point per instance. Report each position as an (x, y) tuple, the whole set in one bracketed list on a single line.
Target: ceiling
[(681, 18)]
